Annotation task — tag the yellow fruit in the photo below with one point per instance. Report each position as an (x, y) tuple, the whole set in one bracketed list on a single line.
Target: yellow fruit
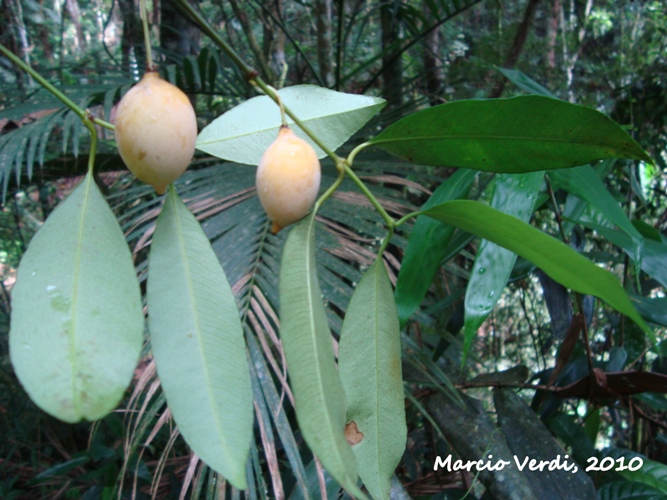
[(156, 130), (288, 179)]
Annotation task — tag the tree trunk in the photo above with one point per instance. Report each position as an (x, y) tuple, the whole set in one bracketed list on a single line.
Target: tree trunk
[(433, 64), (575, 22), (517, 45), (177, 34), (392, 66), (552, 34), (74, 12), (44, 36), (15, 36), (274, 39), (265, 70), (322, 14), (131, 42)]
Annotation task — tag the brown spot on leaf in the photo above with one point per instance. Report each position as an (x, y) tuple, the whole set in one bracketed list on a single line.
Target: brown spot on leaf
[(352, 434)]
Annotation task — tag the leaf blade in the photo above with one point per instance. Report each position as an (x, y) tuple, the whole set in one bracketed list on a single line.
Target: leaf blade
[(516, 135), (514, 195), (583, 183), (244, 132), (554, 257), (426, 247), (197, 342), (369, 363), (76, 324), (304, 330)]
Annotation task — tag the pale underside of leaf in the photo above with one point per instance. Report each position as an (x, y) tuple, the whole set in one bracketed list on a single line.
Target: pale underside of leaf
[(198, 344), (306, 338), (370, 370), (243, 133), (77, 324)]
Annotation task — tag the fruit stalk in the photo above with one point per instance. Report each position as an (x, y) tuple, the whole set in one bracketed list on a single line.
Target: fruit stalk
[(80, 112), (147, 36)]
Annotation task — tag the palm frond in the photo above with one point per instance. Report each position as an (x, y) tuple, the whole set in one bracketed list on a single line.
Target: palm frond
[(223, 198)]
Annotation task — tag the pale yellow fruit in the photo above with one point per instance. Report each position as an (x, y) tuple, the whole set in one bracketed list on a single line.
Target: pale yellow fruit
[(156, 130), (288, 179)]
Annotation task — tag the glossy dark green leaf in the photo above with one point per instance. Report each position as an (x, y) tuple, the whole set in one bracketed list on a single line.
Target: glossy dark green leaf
[(651, 473), (516, 135), (198, 342), (514, 195), (318, 393), (592, 425), (369, 363), (584, 183), (572, 433), (427, 245), (654, 254), (652, 310), (629, 490), (555, 258), (77, 325)]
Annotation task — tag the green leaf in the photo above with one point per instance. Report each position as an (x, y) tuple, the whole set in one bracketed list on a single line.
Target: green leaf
[(318, 393), (524, 82), (629, 490), (517, 135), (584, 183), (77, 324), (654, 254), (61, 469), (592, 425), (653, 474), (243, 133), (514, 195), (198, 344), (369, 363), (313, 485), (427, 245), (572, 433), (554, 257), (653, 310)]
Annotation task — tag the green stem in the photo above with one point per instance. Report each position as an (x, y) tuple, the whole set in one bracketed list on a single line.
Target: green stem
[(276, 97), (330, 191), (102, 123), (88, 122), (360, 184), (353, 153), (147, 37), (406, 218), (248, 72), (251, 74), (386, 241), (258, 82), (43, 82)]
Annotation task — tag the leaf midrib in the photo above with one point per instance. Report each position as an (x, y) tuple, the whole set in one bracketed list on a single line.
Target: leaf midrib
[(289, 120), (376, 302), (492, 137), (311, 273), (182, 247), (76, 400)]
